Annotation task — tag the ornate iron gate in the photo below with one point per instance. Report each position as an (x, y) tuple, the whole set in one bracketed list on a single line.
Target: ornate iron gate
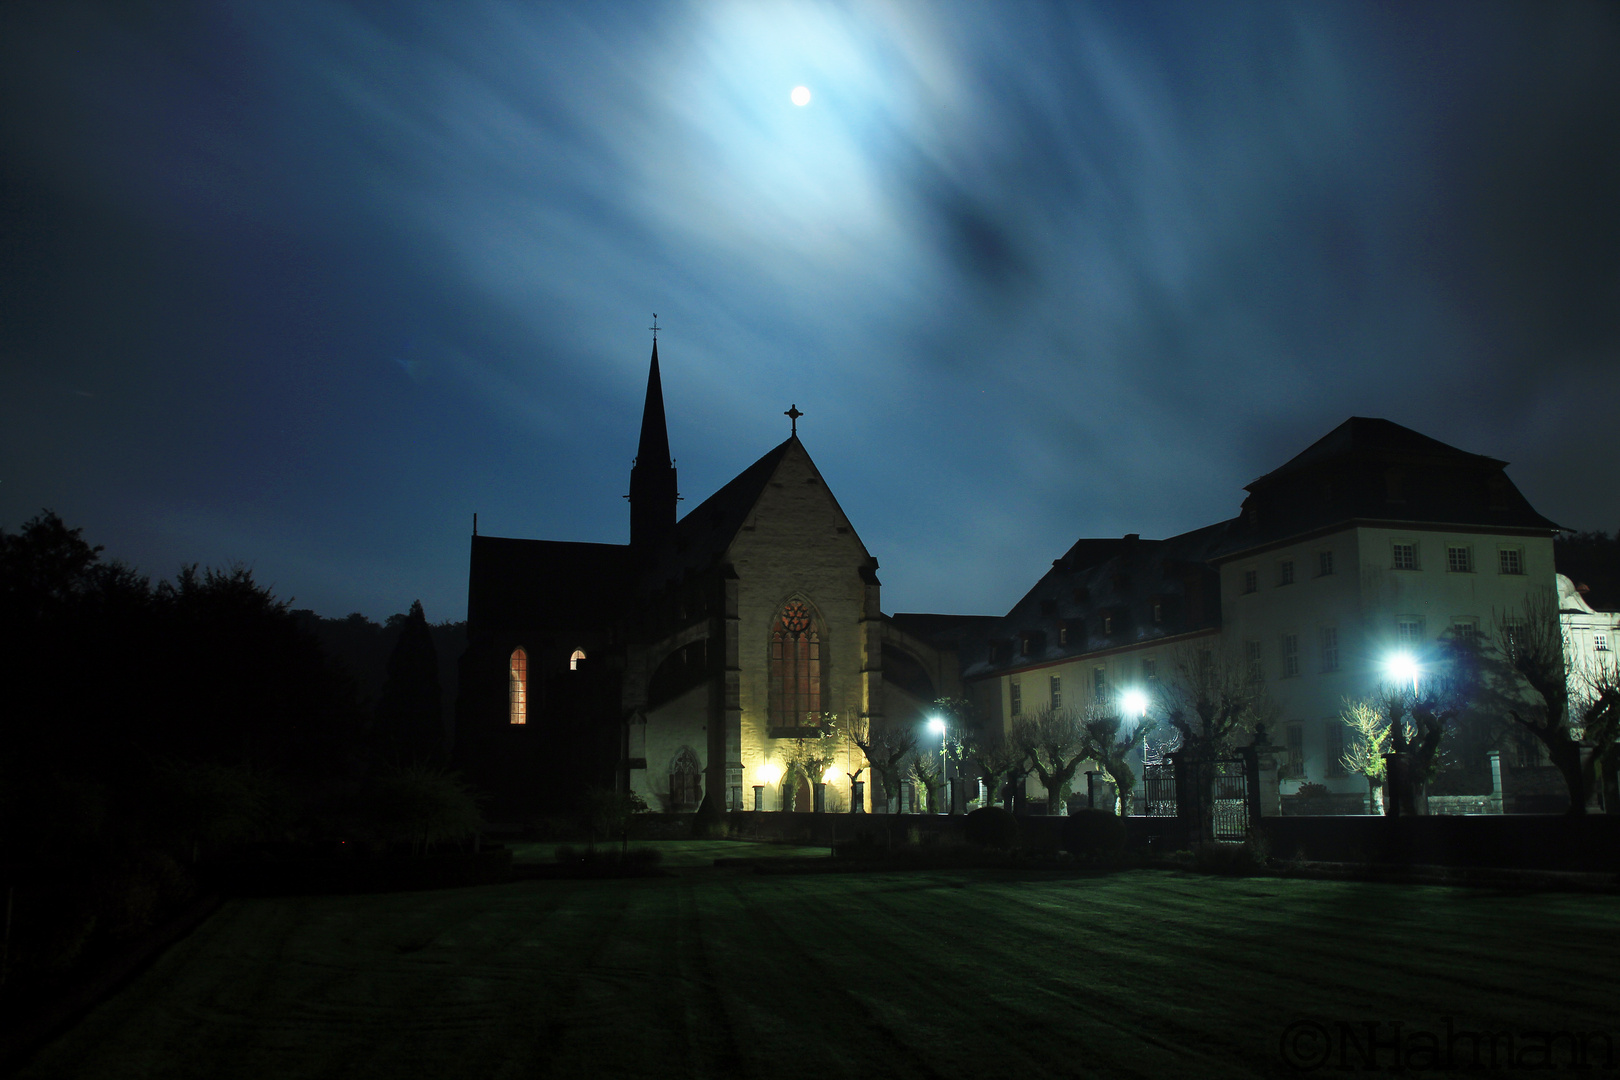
[(1159, 790), (1230, 796)]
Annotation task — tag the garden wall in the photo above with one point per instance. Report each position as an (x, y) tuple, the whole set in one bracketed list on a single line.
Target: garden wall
[(1507, 841)]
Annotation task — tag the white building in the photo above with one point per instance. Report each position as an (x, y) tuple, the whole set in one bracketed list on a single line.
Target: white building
[(1374, 540)]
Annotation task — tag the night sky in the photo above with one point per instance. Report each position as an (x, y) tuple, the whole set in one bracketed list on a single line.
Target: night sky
[(305, 285)]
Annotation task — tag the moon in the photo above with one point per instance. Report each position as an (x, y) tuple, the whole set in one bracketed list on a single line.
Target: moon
[(800, 95)]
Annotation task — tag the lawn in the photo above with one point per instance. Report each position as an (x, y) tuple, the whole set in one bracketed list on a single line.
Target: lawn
[(679, 853), (727, 973)]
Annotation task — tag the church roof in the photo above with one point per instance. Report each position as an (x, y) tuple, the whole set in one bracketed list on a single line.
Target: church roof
[(517, 583), (705, 533)]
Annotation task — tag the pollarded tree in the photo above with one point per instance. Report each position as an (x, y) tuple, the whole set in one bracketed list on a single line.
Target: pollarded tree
[(812, 753), (1369, 742), (1109, 741), (995, 758), (1212, 704), (1527, 667), (885, 748), (1054, 743)]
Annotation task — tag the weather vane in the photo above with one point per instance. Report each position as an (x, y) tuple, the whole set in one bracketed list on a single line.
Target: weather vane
[(793, 414), (655, 326)]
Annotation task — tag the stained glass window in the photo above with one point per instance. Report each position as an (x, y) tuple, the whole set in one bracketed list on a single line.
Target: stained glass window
[(795, 689), (517, 684)]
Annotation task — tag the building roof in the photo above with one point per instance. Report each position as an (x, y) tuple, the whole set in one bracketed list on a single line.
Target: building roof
[(1101, 596), (705, 533), (519, 583), (1377, 472)]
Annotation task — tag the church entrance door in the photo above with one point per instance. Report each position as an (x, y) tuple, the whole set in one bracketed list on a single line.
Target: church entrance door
[(801, 797)]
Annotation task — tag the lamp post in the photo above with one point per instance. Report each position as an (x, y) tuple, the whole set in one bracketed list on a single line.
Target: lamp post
[(938, 726)]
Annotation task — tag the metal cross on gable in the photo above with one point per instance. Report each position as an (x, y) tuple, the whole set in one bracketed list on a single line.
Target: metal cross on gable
[(655, 326), (793, 415)]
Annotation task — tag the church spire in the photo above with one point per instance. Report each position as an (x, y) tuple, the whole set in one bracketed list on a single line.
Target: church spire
[(653, 492)]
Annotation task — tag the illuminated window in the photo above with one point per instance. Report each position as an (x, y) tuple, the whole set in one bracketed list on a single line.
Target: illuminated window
[(575, 658), (795, 687), (517, 686)]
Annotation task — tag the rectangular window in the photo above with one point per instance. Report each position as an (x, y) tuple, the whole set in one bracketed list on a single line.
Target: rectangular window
[(1017, 698), (1108, 625), (1099, 683), (1252, 657), (1158, 612), (1460, 560), (1290, 655), (1330, 648), (1251, 581), (1405, 556), (1600, 642), (1063, 635), (1465, 630), (1409, 631), (1294, 740), (1150, 669), (1324, 563), (1285, 572), (1333, 748), (1057, 693), (1511, 560)]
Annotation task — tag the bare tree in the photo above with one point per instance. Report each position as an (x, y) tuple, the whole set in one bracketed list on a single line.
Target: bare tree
[(1109, 741), (884, 748), (1528, 668), (1054, 744), (1369, 742), (813, 751), (994, 757), (1212, 703)]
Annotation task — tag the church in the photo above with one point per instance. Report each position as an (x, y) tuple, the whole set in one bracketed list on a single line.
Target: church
[(687, 664)]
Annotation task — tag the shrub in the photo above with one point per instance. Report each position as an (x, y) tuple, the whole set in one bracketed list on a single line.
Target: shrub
[(1237, 860), (1313, 791), (991, 827), (1094, 835)]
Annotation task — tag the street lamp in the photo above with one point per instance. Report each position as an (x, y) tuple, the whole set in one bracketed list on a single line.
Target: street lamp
[(1402, 667), (938, 726), (1134, 703)]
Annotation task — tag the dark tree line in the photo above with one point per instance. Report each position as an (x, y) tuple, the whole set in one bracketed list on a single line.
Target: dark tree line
[(147, 727)]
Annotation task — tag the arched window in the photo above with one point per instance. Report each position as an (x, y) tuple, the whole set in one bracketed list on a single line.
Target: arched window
[(517, 686), (795, 688), (575, 658), (685, 781)]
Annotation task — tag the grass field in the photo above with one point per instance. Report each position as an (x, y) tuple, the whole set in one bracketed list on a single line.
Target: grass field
[(727, 973)]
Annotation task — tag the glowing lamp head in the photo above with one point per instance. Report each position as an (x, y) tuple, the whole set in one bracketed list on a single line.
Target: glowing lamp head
[(936, 725), (1134, 702), (1401, 667), (831, 775), (767, 773), (800, 96)]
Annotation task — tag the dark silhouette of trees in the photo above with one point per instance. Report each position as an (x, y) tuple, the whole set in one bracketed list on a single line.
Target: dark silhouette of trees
[(410, 710), (885, 749), (1576, 717), (1591, 559), (1054, 744), (1110, 741)]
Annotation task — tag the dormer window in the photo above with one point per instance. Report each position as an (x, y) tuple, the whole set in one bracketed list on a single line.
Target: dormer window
[(1107, 625), (1063, 635), (574, 658)]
